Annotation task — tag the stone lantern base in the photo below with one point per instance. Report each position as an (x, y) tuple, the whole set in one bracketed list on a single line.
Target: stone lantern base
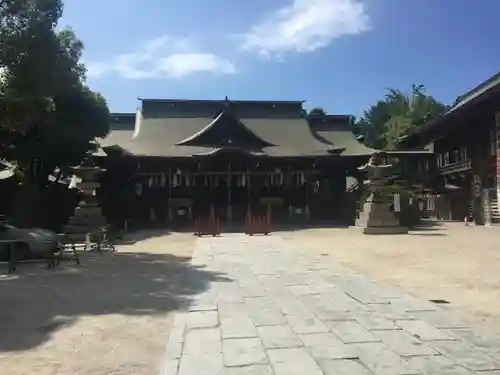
[(378, 218)]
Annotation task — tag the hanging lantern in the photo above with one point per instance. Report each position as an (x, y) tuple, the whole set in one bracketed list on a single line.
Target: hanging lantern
[(243, 180), (150, 181), (175, 181)]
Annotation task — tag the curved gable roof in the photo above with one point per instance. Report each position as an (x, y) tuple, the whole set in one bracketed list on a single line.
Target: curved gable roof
[(226, 130)]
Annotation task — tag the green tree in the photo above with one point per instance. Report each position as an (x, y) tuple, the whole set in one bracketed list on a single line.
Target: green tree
[(398, 114), (48, 117), (317, 112)]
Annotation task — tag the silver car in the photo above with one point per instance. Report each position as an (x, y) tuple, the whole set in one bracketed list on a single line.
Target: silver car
[(30, 243)]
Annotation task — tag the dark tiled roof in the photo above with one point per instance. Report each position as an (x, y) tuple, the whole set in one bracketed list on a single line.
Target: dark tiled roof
[(159, 132), (336, 130), (463, 102), (226, 130)]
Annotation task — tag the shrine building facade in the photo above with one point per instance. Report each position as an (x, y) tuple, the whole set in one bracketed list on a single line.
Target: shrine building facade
[(173, 160)]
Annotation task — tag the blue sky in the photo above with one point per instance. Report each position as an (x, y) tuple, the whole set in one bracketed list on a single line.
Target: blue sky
[(337, 54)]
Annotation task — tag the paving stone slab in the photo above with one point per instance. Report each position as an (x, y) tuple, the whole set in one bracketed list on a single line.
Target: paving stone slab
[(264, 312), (363, 296), (252, 291), (174, 350), (382, 360), (201, 365), (229, 292), (436, 364), (324, 308), (202, 319), (243, 352), (441, 318), (327, 346), (329, 313), (249, 370), (403, 343), (300, 290), (294, 361), (373, 321), (202, 340), (276, 337), (207, 304), (466, 355), (232, 310), (306, 324), (289, 304), (343, 367), (291, 279), (411, 304), (351, 332), (391, 312), (237, 327), (423, 330), (482, 338)]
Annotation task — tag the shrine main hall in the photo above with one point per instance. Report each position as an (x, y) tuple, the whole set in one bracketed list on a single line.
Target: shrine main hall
[(173, 160)]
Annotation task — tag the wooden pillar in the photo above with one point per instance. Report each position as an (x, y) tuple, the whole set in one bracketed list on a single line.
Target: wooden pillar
[(307, 210), (170, 216), (479, 164), (290, 187), (229, 203), (497, 144), (249, 193)]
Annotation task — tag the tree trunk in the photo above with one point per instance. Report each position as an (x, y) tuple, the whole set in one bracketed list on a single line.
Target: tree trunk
[(27, 206)]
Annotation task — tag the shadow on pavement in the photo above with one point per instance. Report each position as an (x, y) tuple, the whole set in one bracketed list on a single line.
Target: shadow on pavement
[(35, 303)]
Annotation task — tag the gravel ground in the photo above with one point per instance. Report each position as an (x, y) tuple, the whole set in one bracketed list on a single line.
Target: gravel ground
[(109, 316)]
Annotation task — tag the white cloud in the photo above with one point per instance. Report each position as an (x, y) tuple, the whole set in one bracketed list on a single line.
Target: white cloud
[(182, 64), (305, 26), (163, 57)]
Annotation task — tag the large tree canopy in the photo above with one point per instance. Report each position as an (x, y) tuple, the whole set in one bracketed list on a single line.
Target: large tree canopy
[(48, 117), (396, 115)]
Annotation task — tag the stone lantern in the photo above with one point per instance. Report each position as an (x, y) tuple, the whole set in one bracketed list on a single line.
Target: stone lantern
[(378, 217), (88, 218)]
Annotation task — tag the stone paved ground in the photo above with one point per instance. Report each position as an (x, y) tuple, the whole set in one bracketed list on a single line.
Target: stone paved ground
[(284, 310)]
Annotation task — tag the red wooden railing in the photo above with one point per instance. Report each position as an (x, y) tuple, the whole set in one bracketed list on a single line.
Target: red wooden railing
[(257, 224), (206, 226)]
